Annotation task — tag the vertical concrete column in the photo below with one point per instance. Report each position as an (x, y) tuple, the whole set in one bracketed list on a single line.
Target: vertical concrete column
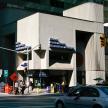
[(45, 59), (95, 59), (73, 80), (36, 59)]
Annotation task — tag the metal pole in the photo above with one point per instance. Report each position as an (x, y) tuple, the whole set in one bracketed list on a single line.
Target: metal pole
[(13, 88), (28, 68), (40, 79)]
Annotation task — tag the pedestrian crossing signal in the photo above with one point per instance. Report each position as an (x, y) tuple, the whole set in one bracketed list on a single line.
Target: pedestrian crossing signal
[(103, 40)]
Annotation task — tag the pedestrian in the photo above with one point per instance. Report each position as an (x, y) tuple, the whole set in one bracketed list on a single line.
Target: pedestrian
[(31, 85), (22, 88), (16, 88)]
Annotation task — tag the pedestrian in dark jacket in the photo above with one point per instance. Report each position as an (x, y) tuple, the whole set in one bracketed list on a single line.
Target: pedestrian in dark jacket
[(23, 88)]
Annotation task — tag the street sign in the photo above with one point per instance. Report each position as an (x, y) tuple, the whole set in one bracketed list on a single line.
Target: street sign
[(5, 73), (14, 77)]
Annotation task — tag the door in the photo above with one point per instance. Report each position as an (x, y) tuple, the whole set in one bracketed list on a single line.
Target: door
[(88, 96), (72, 100)]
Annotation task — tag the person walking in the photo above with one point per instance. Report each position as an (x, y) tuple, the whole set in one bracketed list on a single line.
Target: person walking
[(22, 88), (16, 88)]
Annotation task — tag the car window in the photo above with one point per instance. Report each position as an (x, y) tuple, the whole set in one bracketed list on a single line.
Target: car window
[(104, 89), (85, 92), (79, 92), (89, 92), (74, 92), (93, 92)]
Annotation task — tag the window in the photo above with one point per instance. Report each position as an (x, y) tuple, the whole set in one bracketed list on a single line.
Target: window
[(93, 92), (60, 57), (89, 92), (74, 92), (104, 89), (85, 92)]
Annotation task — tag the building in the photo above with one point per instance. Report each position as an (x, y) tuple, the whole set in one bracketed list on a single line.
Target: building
[(105, 11), (106, 34), (68, 50), (44, 54)]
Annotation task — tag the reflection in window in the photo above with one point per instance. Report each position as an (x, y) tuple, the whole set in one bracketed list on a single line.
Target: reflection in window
[(104, 89)]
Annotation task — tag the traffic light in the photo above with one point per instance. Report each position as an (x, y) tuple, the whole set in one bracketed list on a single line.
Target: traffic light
[(103, 40)]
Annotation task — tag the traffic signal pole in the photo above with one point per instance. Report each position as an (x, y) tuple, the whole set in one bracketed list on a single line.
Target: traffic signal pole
[(27, 50)]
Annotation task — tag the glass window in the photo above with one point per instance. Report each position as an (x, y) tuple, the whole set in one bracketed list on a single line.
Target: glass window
[(104, 89), (93, 92), (74, 92), (85, 92), (89, 92)]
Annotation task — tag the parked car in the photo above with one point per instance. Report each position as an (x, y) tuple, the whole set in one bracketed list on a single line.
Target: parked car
[(84, 97)]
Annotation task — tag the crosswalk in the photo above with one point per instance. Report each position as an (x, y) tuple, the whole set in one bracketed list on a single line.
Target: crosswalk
[(27, 102)]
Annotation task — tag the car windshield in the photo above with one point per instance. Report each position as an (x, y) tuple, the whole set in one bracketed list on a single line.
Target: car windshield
[(104, 89)]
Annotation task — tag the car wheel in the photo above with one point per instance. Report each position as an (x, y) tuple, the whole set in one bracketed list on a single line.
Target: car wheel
[(97, 106), (59, 104)]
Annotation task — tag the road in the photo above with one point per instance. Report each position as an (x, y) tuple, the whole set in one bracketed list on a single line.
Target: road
[(27, 101)]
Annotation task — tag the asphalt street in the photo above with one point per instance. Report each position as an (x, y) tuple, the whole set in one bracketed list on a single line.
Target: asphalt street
[(27, 101)]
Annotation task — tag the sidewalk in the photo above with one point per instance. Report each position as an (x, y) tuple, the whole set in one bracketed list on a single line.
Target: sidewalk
[(33, 94), (49, 94), (5, 94)]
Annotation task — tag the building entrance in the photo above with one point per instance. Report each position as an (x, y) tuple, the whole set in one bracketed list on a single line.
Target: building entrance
[(82, 39), (46, 78)]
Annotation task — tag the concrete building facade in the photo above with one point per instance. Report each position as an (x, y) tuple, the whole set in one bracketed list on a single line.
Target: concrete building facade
[(64, 48), (83, 19)]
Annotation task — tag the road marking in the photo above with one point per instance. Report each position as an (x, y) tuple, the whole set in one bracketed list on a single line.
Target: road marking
[(27, 106)]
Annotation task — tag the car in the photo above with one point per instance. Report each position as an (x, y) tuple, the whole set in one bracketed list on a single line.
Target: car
[(84, 97)]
